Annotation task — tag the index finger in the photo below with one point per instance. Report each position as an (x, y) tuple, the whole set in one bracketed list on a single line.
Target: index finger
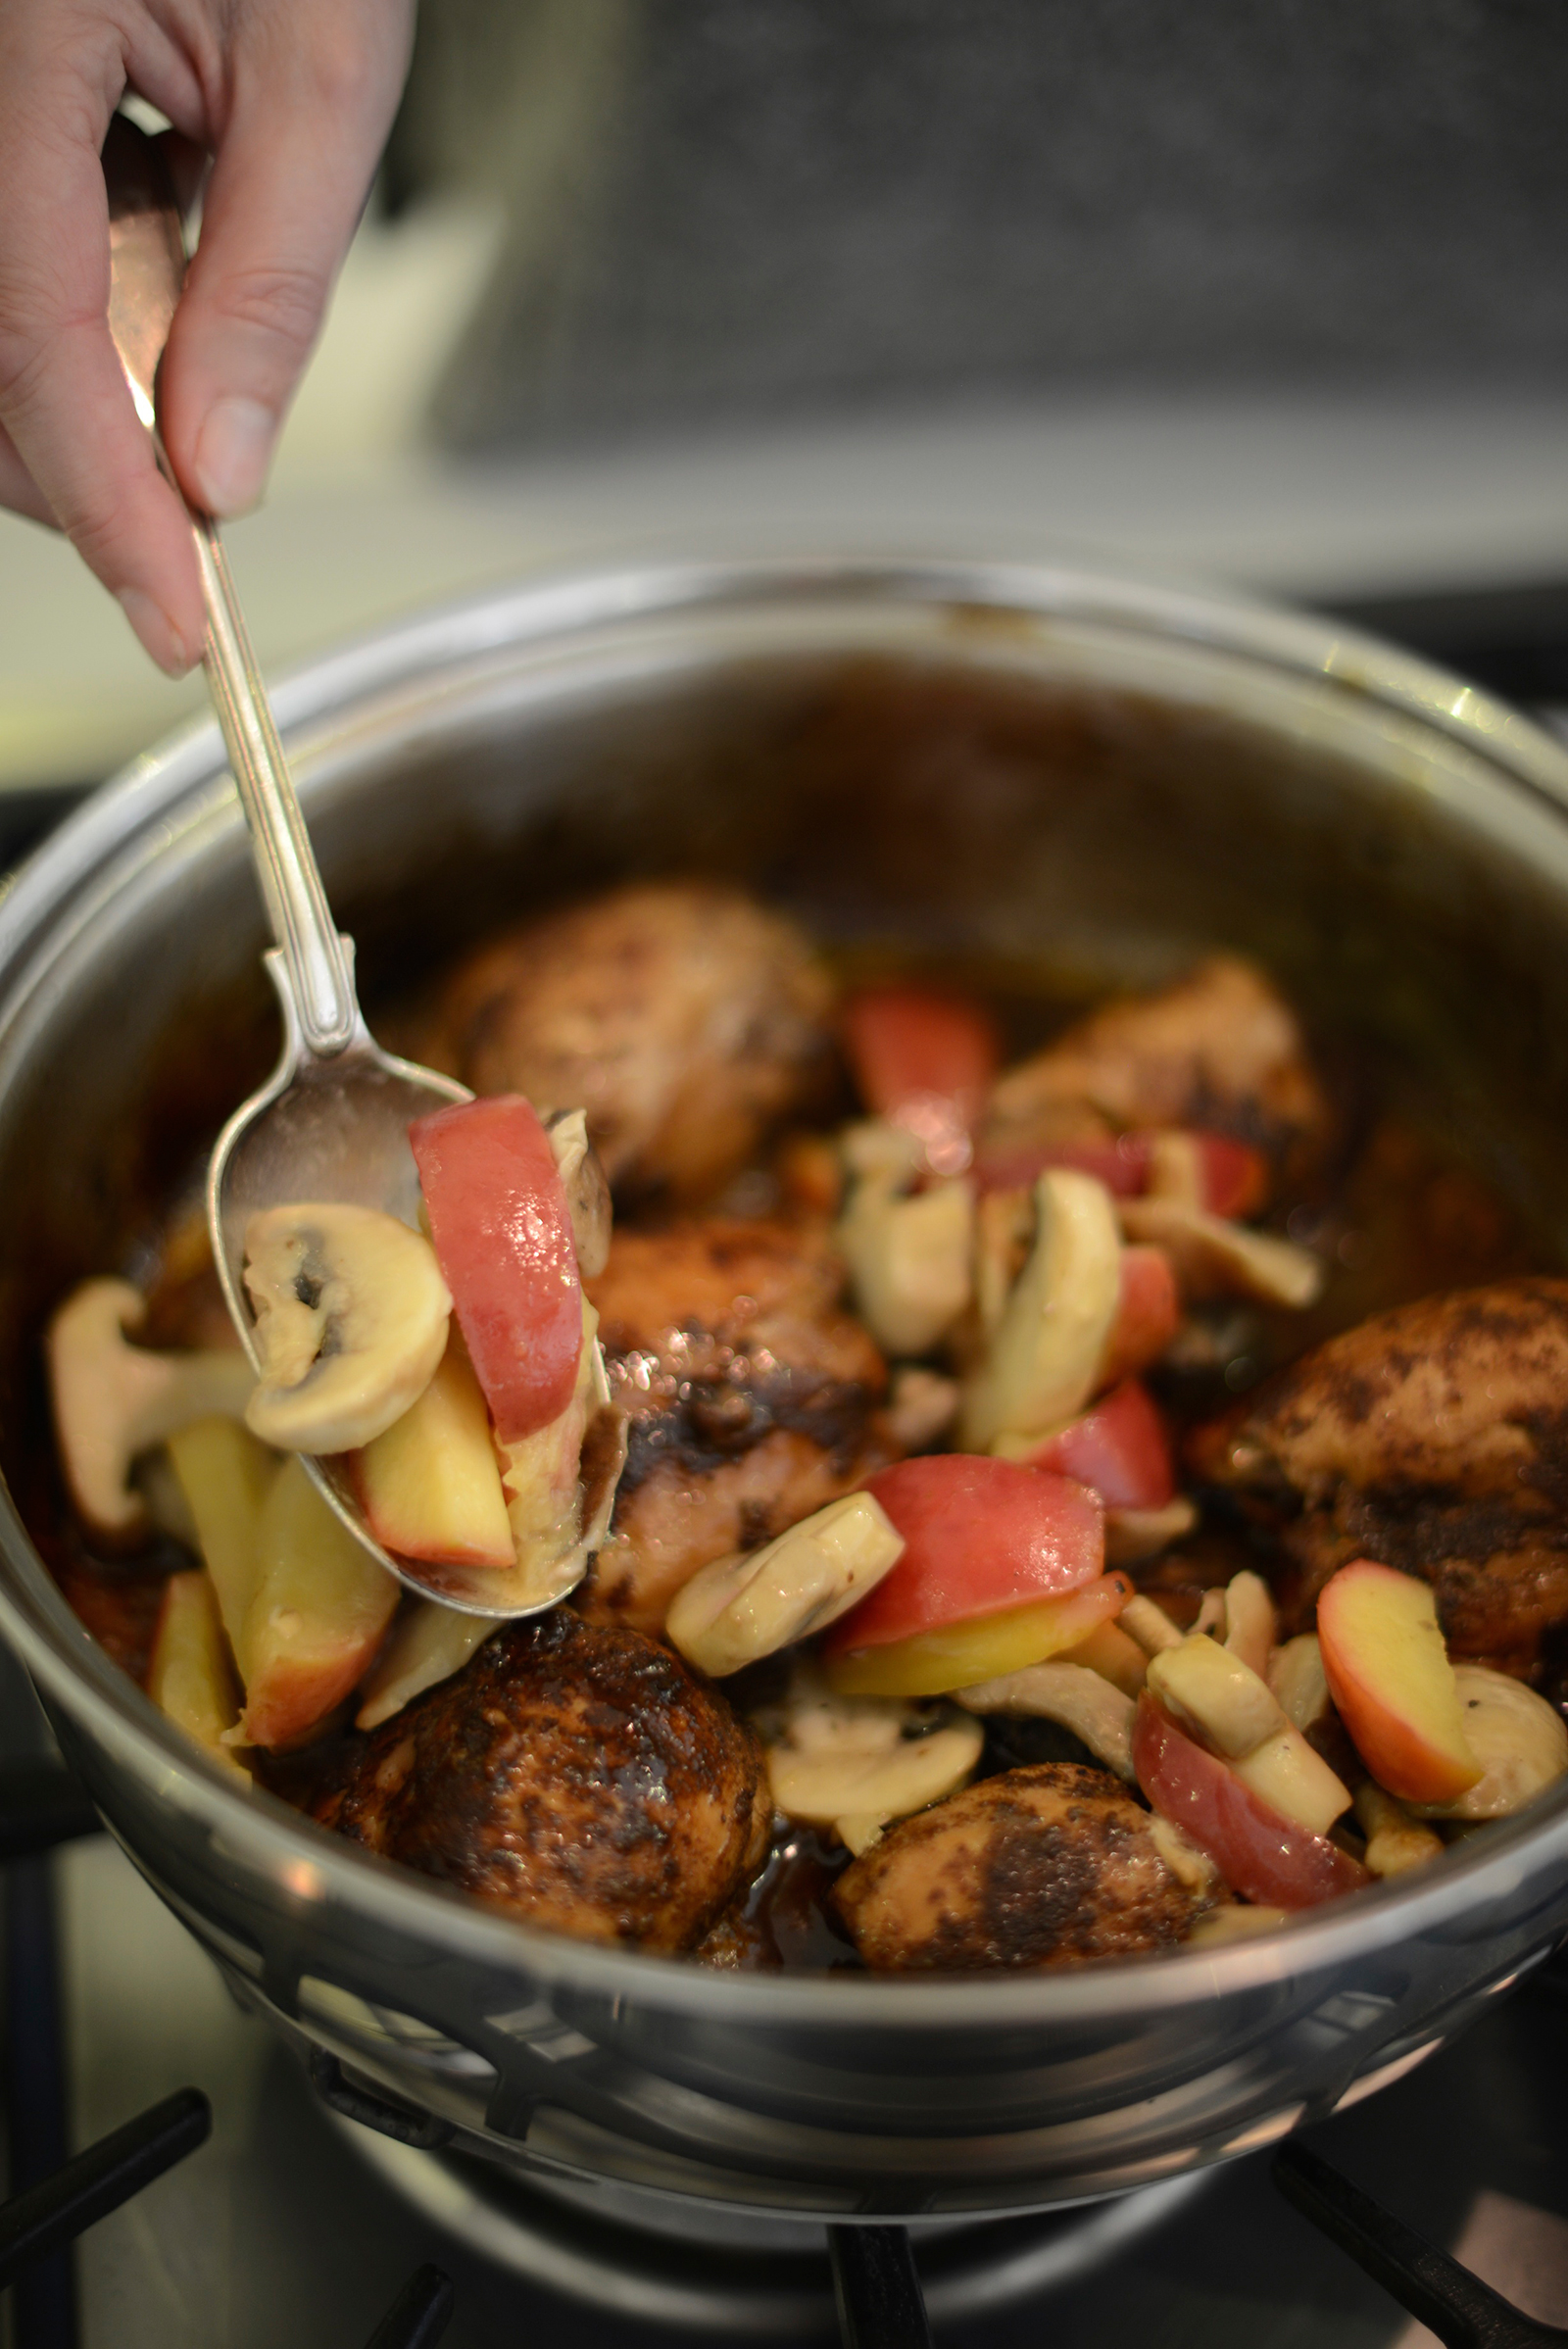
[(64, 401)]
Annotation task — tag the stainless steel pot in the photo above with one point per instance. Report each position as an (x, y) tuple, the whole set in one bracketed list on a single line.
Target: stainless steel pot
[(1022, 768)]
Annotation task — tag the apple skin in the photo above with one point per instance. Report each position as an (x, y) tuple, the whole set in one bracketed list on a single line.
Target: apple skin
[(1234, 1177), (502, 1232), (1120, 1448), (431, 1487), (979, 1535), (1259, 1853), (321, 1608), (1148, 1312), (922, 1060), (1391, 1683)]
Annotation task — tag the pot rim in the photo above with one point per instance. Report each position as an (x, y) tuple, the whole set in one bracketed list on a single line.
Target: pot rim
[(316, 1866)]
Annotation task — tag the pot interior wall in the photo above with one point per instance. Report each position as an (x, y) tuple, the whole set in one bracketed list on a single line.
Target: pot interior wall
[(1044, 832)]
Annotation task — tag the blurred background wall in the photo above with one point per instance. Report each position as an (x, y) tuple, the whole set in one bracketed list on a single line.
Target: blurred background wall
[(747, 209), (1275, 290)]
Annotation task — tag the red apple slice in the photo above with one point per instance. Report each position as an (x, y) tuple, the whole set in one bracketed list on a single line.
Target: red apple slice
[(980, 1537), (923, 1061), (1120, 1449), (502, 1232), (1259, 1852), (430, 1486), (1390, 1676), (1148, 1311)]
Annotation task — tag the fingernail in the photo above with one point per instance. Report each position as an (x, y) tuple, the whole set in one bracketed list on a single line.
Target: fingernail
[(233, 450), (158, 635)]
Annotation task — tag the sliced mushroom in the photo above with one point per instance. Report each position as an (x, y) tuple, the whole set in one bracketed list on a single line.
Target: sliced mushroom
[(922, 1406), (875, 1149), (1175, 1169), (1109, 1651), (561, 1481), (1040, 1367), (1395, 1839), (1212, 1694), (1229, 1708), (1073, 1696), (1299, 1680), (587, 1190), (351, 1321), (1003, 1234), (1187, 1861), (1216, 1258), (1146, 1621), (855, 1762), (113, 1402), (1519, 1740), (1251, 1622), (1235, 1921), (1210, 1617), (739, 1609), (426, 1647), (1133, 1535), (908, 1260)]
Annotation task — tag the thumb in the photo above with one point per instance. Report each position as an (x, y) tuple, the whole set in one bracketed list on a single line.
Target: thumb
[(309, 116)]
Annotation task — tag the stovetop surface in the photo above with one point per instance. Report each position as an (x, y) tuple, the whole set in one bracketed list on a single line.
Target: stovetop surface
[(278, 2231)]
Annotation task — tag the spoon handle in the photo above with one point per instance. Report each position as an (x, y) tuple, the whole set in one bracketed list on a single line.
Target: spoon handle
[(147, 270), (316, 960)]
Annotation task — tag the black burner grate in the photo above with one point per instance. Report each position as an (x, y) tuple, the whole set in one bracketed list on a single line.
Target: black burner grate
[(55, 2197), (1440, 2294)]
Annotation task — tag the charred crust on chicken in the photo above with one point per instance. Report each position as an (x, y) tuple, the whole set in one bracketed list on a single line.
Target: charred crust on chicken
[(1434, 1438), (752, 1399), (1050, 1866), (579, 1778)]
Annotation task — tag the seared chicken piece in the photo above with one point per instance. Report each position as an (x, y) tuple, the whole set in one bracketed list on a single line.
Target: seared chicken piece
[(1220, 1050), (583, 1780), (1435, 1438), (1051, 1866), (753, 1400), (681, 1016)]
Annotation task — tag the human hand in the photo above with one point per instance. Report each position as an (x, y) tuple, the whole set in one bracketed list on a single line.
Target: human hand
[(292, 99)]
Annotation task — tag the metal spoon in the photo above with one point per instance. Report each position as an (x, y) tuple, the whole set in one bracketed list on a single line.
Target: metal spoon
[(331, 1122)]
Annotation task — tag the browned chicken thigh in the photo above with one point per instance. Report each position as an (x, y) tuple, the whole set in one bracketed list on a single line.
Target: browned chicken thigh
[(681, 1015), (1050, 1866), (583, 1779), (1434, 1439), (1220, 1050), (752, 1399)]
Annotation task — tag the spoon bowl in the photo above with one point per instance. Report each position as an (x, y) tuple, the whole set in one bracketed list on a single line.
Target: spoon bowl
[(332, 1123)]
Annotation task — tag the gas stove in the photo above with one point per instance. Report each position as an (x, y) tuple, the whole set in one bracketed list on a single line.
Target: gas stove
[(176, 2181), (291, 2223)]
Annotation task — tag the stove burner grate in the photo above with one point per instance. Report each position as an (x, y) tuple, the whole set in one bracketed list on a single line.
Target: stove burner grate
[(58, 2199), (1462, 2311)]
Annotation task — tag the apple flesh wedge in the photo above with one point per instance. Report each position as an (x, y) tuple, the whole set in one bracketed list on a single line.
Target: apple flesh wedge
[(189, 1677), (321, 1607), (987, 1647), (225, 1474), (430, 1486), (1391, 1683)]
